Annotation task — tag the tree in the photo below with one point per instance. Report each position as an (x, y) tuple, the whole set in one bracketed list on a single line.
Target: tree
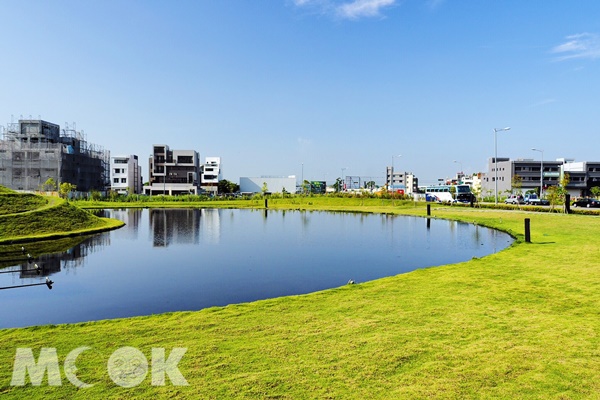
[(96, 195), (517, 183), (306, 187), (476, 189), (596, 191), (553, 196), (264, 188), (556, 194), (370, 185), (338, 185), (65, 189), (225, 186), (564, 181), (49, 185)]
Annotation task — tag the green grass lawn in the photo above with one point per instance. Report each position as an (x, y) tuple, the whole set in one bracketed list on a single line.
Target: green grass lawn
[(522, 323), (18, 203), (42, 218)]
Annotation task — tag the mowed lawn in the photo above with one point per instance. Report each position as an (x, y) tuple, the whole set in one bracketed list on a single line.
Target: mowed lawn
[(523, 323)]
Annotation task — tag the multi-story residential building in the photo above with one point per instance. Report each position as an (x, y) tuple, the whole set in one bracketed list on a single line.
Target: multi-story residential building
[(412, 183), (125, 175), (211, 174), (173, 172), (33, 151), (401, 181), (472, 180)]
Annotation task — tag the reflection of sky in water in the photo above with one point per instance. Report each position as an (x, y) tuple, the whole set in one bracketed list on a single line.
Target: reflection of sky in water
[(188, 259)]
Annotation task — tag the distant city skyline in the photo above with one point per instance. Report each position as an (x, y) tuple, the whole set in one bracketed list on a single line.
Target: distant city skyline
[(311, 87)]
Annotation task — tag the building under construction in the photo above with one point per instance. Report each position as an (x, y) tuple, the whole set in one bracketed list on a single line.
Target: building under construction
[(32, 151)]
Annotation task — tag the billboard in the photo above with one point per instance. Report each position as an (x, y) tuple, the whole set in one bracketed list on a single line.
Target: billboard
[(318, 187)]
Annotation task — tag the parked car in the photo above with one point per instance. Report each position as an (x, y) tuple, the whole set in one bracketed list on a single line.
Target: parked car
[(586, 203), (514, 199), (534, 200)]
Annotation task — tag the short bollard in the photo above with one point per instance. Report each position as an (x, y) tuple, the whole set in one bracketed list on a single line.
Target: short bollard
[(266, 203), (527, 231), (428, 209)]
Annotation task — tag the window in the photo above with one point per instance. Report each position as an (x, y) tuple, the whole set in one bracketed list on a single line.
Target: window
[(116, 180), (123, 180)]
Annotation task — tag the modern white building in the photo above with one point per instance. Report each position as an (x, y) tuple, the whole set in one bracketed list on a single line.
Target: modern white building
[(125, 175), (211, 174), (273, 184), (173, 172)]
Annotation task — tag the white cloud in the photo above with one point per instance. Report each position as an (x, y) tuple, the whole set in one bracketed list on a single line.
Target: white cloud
[(354, 9), (581, 45), (363, 8)]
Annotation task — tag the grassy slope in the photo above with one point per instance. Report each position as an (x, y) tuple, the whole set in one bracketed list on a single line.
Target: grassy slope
[(39, 217), (4, 189), (520, 323), (17, 203)]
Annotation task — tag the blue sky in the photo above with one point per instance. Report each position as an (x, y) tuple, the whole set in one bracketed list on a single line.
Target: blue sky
[(279, 87)]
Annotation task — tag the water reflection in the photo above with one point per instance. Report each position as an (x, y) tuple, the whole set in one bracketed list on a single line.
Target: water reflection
[(188, 259), (167, 226), (50, 263)]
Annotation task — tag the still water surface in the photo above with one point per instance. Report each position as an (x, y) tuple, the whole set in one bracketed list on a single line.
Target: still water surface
[(189, 259)]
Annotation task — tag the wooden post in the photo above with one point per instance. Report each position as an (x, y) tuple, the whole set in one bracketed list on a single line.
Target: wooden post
[(527, 230), (428, 209)]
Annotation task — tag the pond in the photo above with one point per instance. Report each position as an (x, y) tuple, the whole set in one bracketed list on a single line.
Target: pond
[(188, 259)]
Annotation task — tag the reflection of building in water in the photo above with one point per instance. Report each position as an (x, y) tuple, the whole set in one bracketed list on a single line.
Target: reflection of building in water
[(132, 219), (74, 257), (181, 226), (47, 264), (210, 225)]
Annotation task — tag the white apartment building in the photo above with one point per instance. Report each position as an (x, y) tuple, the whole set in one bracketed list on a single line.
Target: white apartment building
[(211, 174), (125, 175)]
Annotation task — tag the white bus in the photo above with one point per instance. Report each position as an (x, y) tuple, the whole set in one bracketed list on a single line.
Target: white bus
[(443, 193)]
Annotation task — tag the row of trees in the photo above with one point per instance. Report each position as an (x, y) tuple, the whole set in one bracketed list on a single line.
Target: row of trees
[(64, 189)]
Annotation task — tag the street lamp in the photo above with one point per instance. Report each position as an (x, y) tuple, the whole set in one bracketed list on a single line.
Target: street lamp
[(541, 171), (392, 173), (461, 170), (496, 130)]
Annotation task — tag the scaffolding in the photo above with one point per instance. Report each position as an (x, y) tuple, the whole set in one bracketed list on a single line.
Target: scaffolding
[(33, 151)]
